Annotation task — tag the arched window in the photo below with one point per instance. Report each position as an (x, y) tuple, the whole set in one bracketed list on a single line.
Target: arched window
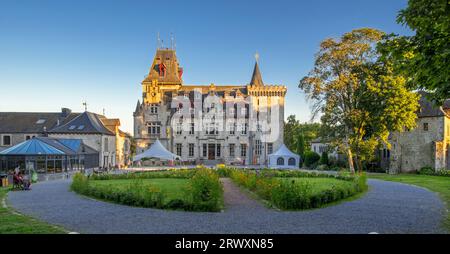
[(291, 162), (280, 161)]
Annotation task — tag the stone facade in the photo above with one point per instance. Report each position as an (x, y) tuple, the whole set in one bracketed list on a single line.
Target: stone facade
[(216, 123), (104, 144), (318, 146), (427, 145)]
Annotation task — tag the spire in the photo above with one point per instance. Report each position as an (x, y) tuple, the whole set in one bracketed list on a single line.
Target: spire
[(256, 77), (138, 106)]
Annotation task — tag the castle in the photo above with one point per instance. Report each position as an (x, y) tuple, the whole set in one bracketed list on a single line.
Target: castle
[(232, 124)]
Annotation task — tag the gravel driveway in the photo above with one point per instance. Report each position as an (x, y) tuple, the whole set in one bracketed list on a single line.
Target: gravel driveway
[(388, 207)]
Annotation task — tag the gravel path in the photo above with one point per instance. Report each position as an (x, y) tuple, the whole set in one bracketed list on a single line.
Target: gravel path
[(387, 208)]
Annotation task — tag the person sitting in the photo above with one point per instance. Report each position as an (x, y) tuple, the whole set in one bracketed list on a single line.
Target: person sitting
[(17, 181)]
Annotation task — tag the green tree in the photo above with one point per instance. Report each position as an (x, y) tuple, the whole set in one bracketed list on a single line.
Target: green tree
[(311, 158), (424, 57), (310, 131), (290, 132), (300, 145), (357, 94)]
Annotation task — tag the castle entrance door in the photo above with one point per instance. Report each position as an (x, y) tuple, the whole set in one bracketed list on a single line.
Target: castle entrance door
[(211, 151)]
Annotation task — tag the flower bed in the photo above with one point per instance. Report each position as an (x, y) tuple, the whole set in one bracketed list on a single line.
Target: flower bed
[(290, 190), (203, 190)]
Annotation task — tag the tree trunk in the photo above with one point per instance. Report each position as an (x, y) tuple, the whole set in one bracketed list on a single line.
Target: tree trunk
[(358, 164), (350, 160)]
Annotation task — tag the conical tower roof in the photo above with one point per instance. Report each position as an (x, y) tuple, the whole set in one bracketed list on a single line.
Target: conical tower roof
[(256, 77)]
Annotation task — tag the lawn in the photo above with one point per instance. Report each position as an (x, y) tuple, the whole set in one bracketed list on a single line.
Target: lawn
[(317, 184), (439, 184), (173, 188), (13, 223)]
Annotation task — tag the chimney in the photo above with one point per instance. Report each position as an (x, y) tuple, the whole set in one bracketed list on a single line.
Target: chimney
[(65, 112)]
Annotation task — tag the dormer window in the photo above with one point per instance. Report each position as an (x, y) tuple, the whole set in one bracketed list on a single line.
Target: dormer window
[(80, 127), (40, 121), (72, 127)]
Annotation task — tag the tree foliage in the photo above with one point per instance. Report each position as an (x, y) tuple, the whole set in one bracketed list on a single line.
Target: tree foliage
[(324, 160), (424, 57), (300, 144), (292, 130), (358, 95)]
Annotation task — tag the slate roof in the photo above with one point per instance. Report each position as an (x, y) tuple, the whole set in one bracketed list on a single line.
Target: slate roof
[(28, 122), (256, 77), (167, 57), (427, 109), (85, 123)]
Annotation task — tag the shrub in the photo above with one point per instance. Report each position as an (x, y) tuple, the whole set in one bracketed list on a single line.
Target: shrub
[(432, 172), (205, 190), (322, 167), (224, 171), (426, 171), (442, 172), (291, 195), (172, 173), (80, 183), (324, 159), (311, 158), (178, 204)]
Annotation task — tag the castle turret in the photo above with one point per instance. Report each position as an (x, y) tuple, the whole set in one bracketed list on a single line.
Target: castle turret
[(256, 77)]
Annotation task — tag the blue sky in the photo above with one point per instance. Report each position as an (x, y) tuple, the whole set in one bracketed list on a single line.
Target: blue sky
[(57, 54)]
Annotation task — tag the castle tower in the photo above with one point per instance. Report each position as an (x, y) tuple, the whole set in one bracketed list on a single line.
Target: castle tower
[(165, 74)]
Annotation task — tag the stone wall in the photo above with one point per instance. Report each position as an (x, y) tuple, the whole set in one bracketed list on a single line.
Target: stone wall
[(420, 147)]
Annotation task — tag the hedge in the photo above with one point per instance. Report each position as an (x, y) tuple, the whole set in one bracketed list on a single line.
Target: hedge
[(432, 172), (204, 192), (291, 195), (172, 173)]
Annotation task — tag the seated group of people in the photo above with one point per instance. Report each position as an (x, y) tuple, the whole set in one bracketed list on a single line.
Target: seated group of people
[(21, 181)]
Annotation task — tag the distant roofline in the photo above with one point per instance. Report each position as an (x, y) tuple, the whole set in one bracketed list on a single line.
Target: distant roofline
[(77, 131)]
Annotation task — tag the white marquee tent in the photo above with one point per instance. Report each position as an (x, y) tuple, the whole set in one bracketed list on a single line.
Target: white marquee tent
[(284, 158), (157, 150)]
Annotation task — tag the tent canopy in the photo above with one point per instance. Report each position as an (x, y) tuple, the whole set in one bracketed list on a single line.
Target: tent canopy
[(284, 158), (156, 150)]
